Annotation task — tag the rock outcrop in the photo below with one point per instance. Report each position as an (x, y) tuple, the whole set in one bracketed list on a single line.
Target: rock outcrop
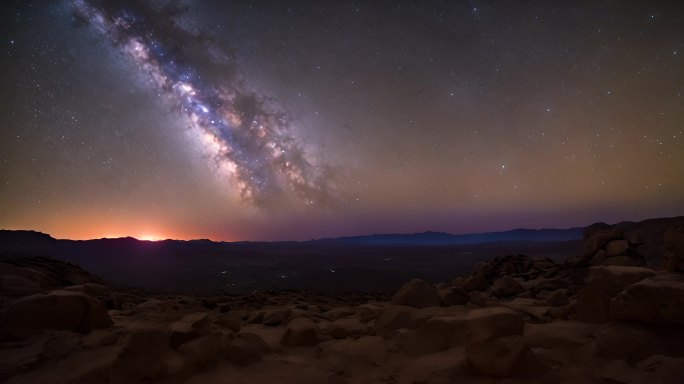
[(505, 286), (495, 345), (673, 239), (57, 310), (646, 242), (609, 247), (605, 283), (439, 333), (301, 332), (418, 294), (190, 327), (514, 318), (656, 300), (453, 295), (138, 359), (244, 348), (394, 318), (276, 316), (23, 276)]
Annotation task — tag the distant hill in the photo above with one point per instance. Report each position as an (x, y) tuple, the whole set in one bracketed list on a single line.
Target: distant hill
[(33, 242), (328, 264), (340, 264), (27, 243), (442, 238)]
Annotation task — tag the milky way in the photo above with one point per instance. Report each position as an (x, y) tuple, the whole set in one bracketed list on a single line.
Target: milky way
[(250, 138), (282, 120)]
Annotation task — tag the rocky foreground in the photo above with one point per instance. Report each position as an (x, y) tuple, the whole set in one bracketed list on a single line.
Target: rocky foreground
[(600, 317)]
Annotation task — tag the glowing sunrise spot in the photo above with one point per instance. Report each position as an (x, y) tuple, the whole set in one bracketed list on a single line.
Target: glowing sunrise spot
[(148, 237)]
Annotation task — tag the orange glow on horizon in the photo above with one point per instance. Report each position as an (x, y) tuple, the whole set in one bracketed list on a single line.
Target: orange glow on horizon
[(88, 226), (149, 237)]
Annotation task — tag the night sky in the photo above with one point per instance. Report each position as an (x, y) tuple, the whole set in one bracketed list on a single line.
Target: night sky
[(282, 120)]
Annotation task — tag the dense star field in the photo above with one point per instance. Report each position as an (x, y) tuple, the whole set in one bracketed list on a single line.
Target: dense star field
[(285, 120)]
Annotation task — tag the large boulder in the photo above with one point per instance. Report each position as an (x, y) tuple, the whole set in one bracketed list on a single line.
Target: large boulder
[(657, 300), (438, 334), (617, 248), (665, 369), (244, 348), (301, 332), (505, 286), (635, 237), (418, 294), (456, 295), (202, 351), (515, 264), (598, 239), (599, 257), (347, 327), (673, 239), (140, 359), (198, 320), (592, 229), (557, 298), (276, 316), (181, 332), (476, 282), (608, 247), (63, 310), (495, 345), (393, 318), (91, 289), (255, 340), (45, 272), (18, 286), (190, 327), (627, 342), (98, 291), (338, 313), (478, 299), (229, 321), (603, 284), (38, 280), (627, 261), (572, 338), (530, 308), (484, 268)]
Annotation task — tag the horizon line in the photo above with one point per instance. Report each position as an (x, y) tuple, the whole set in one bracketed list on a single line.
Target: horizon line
[(294, 241), (151, 240)]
